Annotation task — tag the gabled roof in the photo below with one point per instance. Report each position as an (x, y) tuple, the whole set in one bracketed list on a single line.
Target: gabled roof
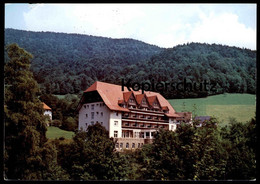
[(112, 94), (139, 98), (165, 108), (45, 107), (127, 95), (151, 100)]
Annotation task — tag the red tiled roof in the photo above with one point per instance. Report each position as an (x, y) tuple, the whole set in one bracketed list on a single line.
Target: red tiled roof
[(46, 107), (127, 95), (165, 108), (111, 94), (139, 98), (184, 115), (151, 99)]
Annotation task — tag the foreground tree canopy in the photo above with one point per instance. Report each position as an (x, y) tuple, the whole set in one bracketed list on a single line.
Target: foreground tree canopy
[(27, 154)]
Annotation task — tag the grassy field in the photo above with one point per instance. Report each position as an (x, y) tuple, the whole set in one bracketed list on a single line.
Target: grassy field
[(55, 132), (63, 96), (242, 107)]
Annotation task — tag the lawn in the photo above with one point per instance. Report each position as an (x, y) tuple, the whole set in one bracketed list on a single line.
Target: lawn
[(55, 132), (224, 106), (63, 96)]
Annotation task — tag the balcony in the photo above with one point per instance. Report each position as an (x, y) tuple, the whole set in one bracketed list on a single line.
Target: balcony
[(143, 126), (146, 110), (143, 118)]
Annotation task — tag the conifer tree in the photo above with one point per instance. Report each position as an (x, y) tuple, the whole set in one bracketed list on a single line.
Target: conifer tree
[(25, 129)]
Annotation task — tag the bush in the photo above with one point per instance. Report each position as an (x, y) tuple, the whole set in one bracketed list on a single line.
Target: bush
[(61, 138), (69, 124), (56, 123)]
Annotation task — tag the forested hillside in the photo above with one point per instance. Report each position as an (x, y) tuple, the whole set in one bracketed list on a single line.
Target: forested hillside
[(232, 69), (69, 63)]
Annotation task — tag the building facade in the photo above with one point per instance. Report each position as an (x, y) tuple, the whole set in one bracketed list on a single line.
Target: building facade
[(47, 112), (131, 118)]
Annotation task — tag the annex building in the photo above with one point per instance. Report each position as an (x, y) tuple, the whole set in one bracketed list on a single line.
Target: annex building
[(129, 116)]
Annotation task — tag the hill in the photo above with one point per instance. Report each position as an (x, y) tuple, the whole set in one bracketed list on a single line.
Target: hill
[(69, 63), (242, 107), (230, 69)]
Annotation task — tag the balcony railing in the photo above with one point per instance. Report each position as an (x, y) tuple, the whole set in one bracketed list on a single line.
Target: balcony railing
[(142, 126), (145, 119)]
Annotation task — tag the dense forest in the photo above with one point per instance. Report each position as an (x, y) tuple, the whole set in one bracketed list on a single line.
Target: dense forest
[(69, 63)]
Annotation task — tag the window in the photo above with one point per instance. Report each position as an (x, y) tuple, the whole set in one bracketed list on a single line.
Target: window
[(101, 123), (133, 145), (92, 107), (115, 133), (101, 113), (115, 123), (155, 104), (86, 124), (86, 115), (127, 145), (92, 115), (116, 113), (139, 145), (142, 134), (117, 145), (85, 106), (92, 122), (121, 145), (97, 113), (147, 134)]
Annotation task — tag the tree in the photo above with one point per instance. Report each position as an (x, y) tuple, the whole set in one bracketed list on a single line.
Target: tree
[(91, 156), (25, 128), (69, 124), (171, 156), (241, 164)]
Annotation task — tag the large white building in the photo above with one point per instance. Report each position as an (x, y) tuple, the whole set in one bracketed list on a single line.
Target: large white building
[(130, 117)]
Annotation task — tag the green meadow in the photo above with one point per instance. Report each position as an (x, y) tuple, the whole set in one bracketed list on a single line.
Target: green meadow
[(55, 132), (242, 107)]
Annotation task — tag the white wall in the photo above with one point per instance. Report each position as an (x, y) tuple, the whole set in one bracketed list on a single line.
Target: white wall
[(172, 124), (99, 108), (115, 116), (49, 113)]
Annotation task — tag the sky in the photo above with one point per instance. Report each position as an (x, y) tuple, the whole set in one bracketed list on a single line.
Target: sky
[(164, 25)]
